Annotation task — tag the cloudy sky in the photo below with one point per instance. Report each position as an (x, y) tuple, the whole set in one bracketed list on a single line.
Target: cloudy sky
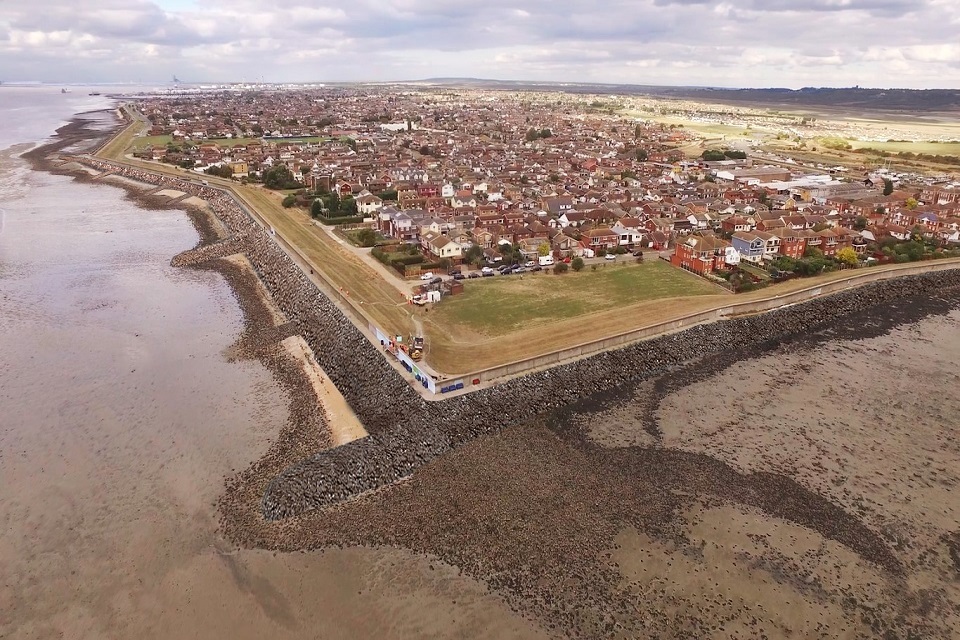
[(793, 43)]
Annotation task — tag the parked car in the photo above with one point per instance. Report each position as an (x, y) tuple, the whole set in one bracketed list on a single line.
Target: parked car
[(485, 271), (488, 275), (436, 280), (567, 260), (610, 256), (455, 271), (459, 276), (529, 263), (473, 274), (427, 276)]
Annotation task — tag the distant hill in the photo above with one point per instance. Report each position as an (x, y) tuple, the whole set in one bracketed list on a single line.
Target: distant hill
[(916, 100)]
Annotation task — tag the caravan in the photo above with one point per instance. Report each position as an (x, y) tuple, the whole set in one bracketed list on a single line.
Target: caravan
[(546, 261)]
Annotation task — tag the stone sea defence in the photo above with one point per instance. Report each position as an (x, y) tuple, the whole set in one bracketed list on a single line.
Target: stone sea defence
[(406, 431), (389, 455)]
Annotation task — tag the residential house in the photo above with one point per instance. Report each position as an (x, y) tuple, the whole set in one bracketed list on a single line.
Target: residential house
[(704, 254)]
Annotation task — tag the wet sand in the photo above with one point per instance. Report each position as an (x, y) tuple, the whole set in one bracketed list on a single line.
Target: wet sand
[(124, 413)]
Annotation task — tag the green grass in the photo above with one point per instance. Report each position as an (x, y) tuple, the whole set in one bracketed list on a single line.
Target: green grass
[(303, 140), (151, 141), (499, 305), (933, 148), (757, 271), (229, 142)]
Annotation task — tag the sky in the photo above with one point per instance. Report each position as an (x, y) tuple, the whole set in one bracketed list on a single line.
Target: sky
[(737, 43)]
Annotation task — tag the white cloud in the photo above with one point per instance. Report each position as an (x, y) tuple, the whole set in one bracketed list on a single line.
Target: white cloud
[(733, 42)]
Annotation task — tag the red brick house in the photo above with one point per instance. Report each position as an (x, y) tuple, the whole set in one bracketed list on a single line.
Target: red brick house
[(701, 254), (602, 238)]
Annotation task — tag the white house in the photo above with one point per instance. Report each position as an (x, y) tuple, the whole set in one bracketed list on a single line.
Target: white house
[(627, 236)]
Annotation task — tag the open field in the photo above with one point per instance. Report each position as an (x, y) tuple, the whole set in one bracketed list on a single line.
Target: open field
[(501, 305), (303, 139), (143, 142), (933, 148)]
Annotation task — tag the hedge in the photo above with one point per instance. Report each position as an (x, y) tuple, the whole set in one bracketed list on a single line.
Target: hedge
[(341, 220)]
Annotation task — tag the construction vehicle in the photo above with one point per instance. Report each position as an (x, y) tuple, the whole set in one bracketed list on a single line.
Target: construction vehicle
[(416, 350)]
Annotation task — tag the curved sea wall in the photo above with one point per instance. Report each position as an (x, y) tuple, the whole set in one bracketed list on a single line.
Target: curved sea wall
[(406, 431)]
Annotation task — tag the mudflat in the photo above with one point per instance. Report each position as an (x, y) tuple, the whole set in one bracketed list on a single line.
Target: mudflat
[(129, 391)]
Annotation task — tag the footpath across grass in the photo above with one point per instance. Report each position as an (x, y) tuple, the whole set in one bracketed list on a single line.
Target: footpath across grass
[(499, 305)]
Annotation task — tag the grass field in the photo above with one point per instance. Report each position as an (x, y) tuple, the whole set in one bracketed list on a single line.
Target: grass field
[(500, 305), (933, 148), (151, 141)]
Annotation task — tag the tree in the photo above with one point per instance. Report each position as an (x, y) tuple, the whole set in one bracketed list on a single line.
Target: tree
[(637, 132), (316, 209), (474, 254), (532, 134), (860, 223), (348, 206), (912, 203), (713, 155), (887, 186), (848, 256), (366, 237), (543, 249), (289, 201), (279, 177), (577, 264), (642, 155), (561, 267)]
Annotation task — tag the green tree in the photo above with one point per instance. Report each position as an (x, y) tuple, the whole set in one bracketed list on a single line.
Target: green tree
[(473, 254), (532, 134), (860, 223), (279, 177), (887, 186), (637, 132), (560, 267), (289, 201), (366, 237), (543, 249), (713, 155), (848, 256), (642, 155), (348, 206), (912, 203), (316, 209), (577, 264)]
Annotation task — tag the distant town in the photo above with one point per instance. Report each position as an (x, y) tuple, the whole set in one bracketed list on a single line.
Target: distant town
[(505, 182)]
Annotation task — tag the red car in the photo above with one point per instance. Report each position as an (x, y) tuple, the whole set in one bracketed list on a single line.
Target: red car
[(567, 259)]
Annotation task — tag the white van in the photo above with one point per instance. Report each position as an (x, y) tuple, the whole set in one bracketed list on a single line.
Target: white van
[(546, 261)]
